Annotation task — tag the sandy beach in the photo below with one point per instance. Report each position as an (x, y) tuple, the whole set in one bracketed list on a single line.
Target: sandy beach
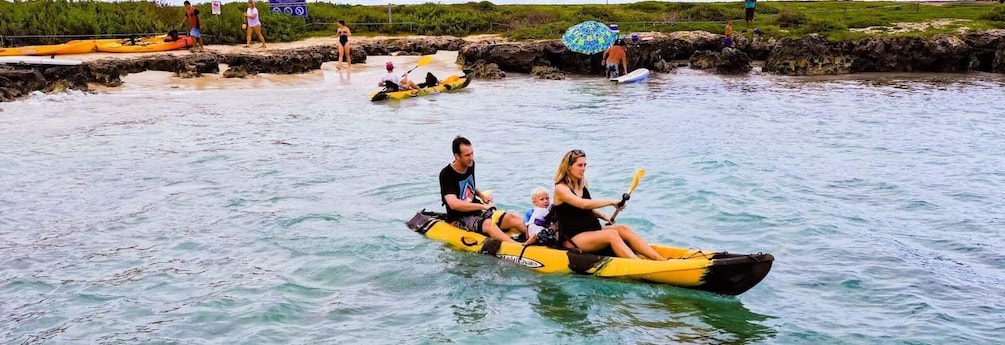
[(272, 47)]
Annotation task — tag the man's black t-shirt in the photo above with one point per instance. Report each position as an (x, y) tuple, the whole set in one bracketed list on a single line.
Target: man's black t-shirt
[(461, 185)]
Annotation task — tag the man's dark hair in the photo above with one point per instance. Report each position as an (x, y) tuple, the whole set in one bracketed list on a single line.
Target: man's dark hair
[(341, 22), (186, 3), (458, 141)]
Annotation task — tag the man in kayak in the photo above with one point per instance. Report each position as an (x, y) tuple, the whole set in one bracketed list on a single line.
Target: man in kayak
[(467, 207), (402, 82), (578, 216), (192, 18), (614, 56)]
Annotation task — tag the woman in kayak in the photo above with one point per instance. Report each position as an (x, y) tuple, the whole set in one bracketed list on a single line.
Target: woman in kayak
[(579, 219)]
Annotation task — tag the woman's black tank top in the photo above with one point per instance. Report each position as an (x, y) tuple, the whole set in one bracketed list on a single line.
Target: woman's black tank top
[(573, 220)]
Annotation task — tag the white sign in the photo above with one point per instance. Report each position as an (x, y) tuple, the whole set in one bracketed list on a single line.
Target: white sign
[(216, 7)]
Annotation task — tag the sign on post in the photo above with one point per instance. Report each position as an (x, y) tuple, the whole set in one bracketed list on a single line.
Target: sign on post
[(296, 8), (216, 7)]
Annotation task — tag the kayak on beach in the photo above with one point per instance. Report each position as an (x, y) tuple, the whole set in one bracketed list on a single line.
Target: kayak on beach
[(718, 272), (146, 45), (72, 47)]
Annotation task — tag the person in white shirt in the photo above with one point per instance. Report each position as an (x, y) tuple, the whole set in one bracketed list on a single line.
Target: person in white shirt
[(254, 24), (403, 83)]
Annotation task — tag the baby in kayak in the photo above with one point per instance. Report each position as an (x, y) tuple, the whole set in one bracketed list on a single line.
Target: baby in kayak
[(539, 229)]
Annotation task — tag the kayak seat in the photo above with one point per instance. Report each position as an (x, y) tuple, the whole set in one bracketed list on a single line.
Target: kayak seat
[(430, 80), (390, 86)]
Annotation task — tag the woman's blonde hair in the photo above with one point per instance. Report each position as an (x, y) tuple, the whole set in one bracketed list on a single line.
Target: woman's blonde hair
[(562, 175)]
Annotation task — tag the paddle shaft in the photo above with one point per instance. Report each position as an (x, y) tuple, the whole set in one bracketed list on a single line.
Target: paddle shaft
[(628, 194), (624, 198)]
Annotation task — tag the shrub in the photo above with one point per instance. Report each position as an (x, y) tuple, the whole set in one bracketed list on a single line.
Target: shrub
[(996, 13), (486, 6), (791, 18), (822, 26), (647, 6), (593, 13), (704, 12)]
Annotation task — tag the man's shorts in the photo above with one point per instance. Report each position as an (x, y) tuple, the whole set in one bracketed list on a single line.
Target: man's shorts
[(474, 223), (195, 33), (613, 70), (750, 14)]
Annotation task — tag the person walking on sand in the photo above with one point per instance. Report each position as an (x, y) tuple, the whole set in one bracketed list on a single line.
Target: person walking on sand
[(343, 44), (192, 18), (254, 24)]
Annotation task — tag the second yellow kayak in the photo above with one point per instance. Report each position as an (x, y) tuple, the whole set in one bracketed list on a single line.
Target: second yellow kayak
[(146, 45)]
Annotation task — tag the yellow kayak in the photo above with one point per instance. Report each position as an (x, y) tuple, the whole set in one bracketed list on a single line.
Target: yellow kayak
[(718, 272), (146, 45), (72, 47), (451, 83)]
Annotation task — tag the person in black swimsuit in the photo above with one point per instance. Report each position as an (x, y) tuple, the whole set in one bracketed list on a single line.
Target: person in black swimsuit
[(343, 44), (579, 219)]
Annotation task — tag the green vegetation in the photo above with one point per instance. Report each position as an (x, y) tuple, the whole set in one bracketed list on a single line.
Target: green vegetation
[(837, 20)]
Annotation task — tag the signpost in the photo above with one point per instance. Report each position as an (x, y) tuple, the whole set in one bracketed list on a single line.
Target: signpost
[(216, 7), (297, 8)]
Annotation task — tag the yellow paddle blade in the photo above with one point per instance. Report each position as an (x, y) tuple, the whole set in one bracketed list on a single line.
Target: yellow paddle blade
[(635, 181), (424, 60)]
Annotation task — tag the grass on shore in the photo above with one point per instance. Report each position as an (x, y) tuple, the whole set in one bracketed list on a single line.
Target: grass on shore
[(837, 20)]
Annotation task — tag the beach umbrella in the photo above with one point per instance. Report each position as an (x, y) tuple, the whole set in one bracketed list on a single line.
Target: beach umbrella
[(589, 37)]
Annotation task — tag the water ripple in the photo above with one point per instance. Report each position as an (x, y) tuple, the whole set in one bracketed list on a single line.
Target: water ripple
[(248, 214)]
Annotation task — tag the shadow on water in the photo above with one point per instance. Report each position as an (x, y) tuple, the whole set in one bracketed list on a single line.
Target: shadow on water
[(725, 319), (568, 311), (653, 314)]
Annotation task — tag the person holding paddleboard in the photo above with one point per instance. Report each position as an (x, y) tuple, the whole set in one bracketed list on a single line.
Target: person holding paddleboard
[(614, 56)]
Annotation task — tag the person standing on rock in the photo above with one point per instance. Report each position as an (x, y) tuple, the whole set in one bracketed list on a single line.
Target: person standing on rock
[(192, 18), (343, 44), (254, 24), (749, 7), (728, 40)]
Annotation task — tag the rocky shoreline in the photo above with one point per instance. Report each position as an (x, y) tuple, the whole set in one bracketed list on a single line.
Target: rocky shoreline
[(549, 59)]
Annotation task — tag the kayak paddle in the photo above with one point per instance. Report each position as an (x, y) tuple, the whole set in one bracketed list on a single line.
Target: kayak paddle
[(635, 183), (422, 62)]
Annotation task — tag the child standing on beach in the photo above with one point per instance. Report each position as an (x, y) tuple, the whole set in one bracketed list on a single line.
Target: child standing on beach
[(192, 18)]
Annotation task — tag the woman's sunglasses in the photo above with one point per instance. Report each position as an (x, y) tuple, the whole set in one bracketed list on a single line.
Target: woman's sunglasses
[(575, 154)]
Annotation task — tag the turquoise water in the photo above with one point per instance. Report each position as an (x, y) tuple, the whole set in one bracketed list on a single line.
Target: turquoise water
[(271, 210)]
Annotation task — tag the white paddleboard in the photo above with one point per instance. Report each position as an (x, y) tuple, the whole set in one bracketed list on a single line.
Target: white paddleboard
[(37, 60), (636, 76)]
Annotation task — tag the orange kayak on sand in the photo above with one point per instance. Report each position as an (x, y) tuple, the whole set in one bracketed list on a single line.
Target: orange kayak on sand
[(72, 47), (146, 45)]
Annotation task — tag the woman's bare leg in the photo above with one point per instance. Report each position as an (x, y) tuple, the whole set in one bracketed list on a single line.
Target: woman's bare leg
[(339, 48), (258, 30), (599, 239), (635, 241)]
